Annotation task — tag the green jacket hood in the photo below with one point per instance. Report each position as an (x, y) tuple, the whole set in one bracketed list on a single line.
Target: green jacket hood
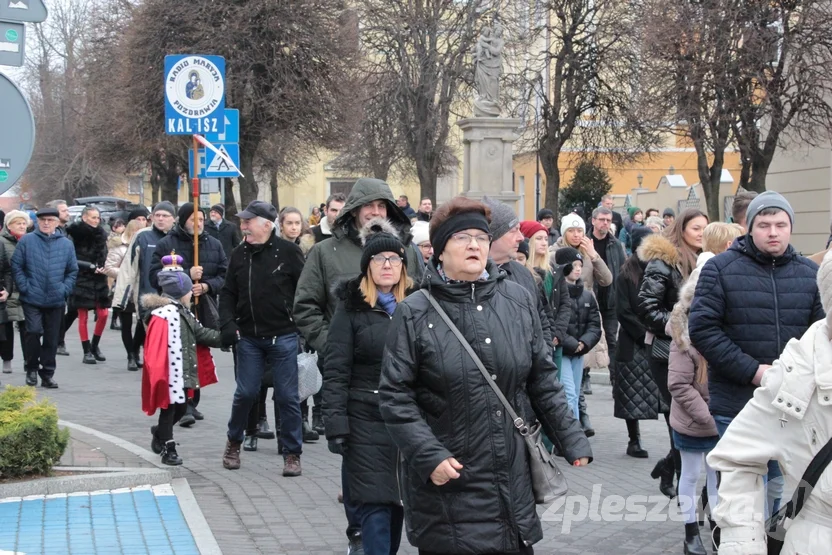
[(368, 189)]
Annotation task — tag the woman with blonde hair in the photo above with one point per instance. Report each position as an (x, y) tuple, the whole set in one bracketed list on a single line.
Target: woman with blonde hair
[(693, 428), (352, 371)]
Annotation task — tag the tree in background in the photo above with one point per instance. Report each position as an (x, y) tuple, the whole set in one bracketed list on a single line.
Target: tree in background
[(585, 190)]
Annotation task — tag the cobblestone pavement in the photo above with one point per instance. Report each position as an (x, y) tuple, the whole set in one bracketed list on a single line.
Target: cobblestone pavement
[(256, 510)]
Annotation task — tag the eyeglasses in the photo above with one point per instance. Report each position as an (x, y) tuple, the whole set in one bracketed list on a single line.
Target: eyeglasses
[(380, 259), (425, 246), (465, 238)]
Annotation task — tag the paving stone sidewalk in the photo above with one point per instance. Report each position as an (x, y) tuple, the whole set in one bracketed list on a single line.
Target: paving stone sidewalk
[(256, 510)]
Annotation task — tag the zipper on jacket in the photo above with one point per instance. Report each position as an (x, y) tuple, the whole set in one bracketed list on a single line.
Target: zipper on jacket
[(250, 300), (473, 289), (776, 307)]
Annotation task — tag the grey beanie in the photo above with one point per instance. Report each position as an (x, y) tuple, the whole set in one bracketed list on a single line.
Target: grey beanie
[(175, 283), (503, 217), (769, 199), (166, 206)]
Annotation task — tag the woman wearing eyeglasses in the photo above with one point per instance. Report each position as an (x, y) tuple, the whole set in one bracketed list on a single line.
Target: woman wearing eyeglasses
[(464, 473), (354, 427)]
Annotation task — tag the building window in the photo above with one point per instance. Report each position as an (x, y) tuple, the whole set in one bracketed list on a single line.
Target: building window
[(341, 186), (134, 185)]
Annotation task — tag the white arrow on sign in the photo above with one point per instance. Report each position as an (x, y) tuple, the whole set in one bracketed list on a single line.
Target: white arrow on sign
[(227, 125), (221, 154)]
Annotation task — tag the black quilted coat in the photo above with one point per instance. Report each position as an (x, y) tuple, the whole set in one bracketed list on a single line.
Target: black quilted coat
[(660, 286), (585, 320), (91, 289), (436, 405), (634, 392), (350, 396)]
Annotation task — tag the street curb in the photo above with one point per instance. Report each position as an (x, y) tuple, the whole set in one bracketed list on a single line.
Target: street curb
[(149, 456), (600, 376), (204, 538), (91, 479)]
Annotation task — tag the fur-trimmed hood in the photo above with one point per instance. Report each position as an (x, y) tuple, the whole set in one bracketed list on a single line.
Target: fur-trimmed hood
[(115, 241), (152, 301), (657, 247), (348, 291), (306, 241), (377, 225), (677, 324)]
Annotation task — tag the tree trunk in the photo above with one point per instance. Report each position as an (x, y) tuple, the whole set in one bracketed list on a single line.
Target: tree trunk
[(759, 173), (709, 179), (248, 185), (155, 190), (169, 191), (230, 203), (427, 180), (549, 161), (273, 188)]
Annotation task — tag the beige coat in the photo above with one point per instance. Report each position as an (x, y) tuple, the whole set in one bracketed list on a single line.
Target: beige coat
[(789, 419)]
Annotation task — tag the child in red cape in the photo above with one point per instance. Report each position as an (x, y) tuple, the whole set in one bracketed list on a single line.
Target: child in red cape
[(176, 356)]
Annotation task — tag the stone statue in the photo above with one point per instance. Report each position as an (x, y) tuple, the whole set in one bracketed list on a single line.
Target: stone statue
[(487, 68)]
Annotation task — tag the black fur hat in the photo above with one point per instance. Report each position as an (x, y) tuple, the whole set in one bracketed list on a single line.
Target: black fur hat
[(379, 235)]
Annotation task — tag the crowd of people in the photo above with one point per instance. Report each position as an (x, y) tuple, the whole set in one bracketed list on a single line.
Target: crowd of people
[(719, 328)]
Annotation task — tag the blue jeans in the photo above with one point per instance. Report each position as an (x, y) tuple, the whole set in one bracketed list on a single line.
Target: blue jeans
[(571, 375), (281, 354), (351, 508), (381, 528), (774, 479)]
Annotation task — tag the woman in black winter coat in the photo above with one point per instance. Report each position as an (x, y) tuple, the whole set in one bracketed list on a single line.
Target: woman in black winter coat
[(464, 474), (634, 391), (91, 289), (352, 370), (670, 258)]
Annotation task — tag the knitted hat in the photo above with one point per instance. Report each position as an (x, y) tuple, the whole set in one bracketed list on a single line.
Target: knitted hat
[(219, 209), (566, 256), (632, 211), (571, 220), (185, 212), (421, 232), (528, 228), (379, 235), (138, 212), (545, 213), (503, 218), (668, 212), (825, 282), (637, 235), (17, 214), (523, 247), (173, 281), (166, 207), (769, 199)]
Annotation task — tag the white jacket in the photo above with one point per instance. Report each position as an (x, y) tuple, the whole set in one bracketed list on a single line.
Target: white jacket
[(789, 419)]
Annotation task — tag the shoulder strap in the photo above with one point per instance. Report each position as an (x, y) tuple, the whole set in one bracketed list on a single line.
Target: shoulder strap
[(518, 422), (811, 477)]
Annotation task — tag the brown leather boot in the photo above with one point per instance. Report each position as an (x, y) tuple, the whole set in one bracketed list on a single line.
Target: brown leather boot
[(231, 457), (291, 465)]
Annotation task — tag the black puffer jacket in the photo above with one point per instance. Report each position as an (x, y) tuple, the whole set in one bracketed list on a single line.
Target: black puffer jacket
[(634, 391), (585, 321), (660, 286), (560, 304), (436, 405), (211, 257), (746, 308), (226, 233), (521, 275), (91, 289), (350, 396)]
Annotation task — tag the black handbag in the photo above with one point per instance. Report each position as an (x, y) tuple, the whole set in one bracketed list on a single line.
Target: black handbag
[(775, 526), (660, 349), (548, 482)]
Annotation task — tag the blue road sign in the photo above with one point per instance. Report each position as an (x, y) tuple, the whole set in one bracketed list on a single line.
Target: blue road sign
[(212, 165), (194, 94), (231, 134)]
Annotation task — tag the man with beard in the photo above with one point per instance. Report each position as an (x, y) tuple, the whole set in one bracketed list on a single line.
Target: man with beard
[(208, 276)]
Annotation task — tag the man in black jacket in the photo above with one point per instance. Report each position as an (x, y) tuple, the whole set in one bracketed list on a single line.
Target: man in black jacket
[(334, 204), (208, 276), (612, 253), (256, 306), (222, 230), (750, 301)]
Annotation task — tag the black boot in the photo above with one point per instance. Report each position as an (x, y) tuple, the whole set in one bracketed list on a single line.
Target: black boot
[(197, 415), (250, 443), (693, 542), (169, 455), (88, 356), (131, 363), (96, 352), (155, 445), (263, 431), (188, 420), (634, 449), (62, 350), (308, 433), (32, 377), (115, 324), (586, 383), (318, 420), (584, 416), (664, 471), (139, 361)]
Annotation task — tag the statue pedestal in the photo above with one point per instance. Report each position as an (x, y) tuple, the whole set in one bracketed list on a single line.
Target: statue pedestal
[(487, 166)]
